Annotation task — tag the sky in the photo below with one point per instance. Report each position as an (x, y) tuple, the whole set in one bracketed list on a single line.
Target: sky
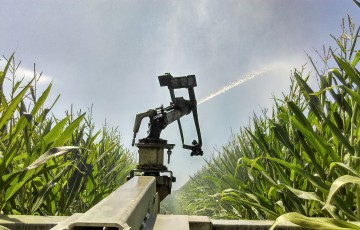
[(107, 55)]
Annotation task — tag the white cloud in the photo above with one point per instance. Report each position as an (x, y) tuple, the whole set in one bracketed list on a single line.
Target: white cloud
[(27, 74)]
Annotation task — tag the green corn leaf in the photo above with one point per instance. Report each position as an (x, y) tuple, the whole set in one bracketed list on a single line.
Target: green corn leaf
[(76, 183), (52, 135), (355, 96), (252, 163), (17, 183), (57, 151), (3, 228), (356, 59), (308, 153), (20, 157), (304, 195), (8, 178), (19, 179), (283, 136), (19, 127), (16, 86), (3, 73), (13, 148), (344, 166), (338, 75), (313, 100), (338, 120), (322, 91), (314, 180), (69, 130), (42, 117), (349, 70), (311, 138), (56, 131), (339, 43), (312, 196), (40, 102), (343, 104), (300, 116), (260, 140), (338, 134), (357, 3), (303, 125), (8, 113), (334, 129), (232, 196), (46, 189), (3, 102), (314, 223), (338, 183), (354, 62)]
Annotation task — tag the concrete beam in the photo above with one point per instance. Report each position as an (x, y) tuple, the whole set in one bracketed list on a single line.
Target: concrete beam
[(127, 207), (28, 222)]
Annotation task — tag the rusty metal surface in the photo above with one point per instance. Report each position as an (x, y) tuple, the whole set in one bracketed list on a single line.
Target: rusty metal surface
[(125, 208), (152, 156)]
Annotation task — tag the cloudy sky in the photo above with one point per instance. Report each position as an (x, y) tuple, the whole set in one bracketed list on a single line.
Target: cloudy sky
[(109, 53)]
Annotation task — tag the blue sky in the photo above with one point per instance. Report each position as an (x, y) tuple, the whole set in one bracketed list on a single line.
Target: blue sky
[(109, 53)]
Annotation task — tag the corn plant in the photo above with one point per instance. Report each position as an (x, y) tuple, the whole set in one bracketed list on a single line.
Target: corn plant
[(52, 166), (292, 158)]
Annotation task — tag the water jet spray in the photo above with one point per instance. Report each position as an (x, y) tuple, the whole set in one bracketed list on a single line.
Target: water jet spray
[(231, 85)]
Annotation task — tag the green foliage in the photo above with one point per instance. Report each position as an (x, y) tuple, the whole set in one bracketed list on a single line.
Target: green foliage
[(315, 223), (303, 156), (52, 166)]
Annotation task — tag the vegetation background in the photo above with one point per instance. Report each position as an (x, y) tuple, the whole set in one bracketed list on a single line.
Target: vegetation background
[(51, 165)]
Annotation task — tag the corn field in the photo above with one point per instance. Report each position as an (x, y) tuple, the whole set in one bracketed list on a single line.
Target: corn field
[(299, 160), (52, 166)]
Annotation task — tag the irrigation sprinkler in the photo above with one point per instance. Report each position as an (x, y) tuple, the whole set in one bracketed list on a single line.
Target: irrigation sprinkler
[(135, 204), (151, 148)]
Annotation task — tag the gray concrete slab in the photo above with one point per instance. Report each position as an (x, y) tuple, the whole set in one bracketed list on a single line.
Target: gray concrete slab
[(173, 222)]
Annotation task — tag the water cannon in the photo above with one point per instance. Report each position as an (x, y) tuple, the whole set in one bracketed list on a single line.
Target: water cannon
[(161, 117), (151, 148)]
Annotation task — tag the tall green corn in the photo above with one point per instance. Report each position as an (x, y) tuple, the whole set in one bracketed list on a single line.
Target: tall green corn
[(287, 160), (52, 166)]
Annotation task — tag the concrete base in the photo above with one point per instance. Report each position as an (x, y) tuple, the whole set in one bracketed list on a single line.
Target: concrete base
[(174, 222), (27, 222), (250, 225), (200, 223), (181, 222)]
